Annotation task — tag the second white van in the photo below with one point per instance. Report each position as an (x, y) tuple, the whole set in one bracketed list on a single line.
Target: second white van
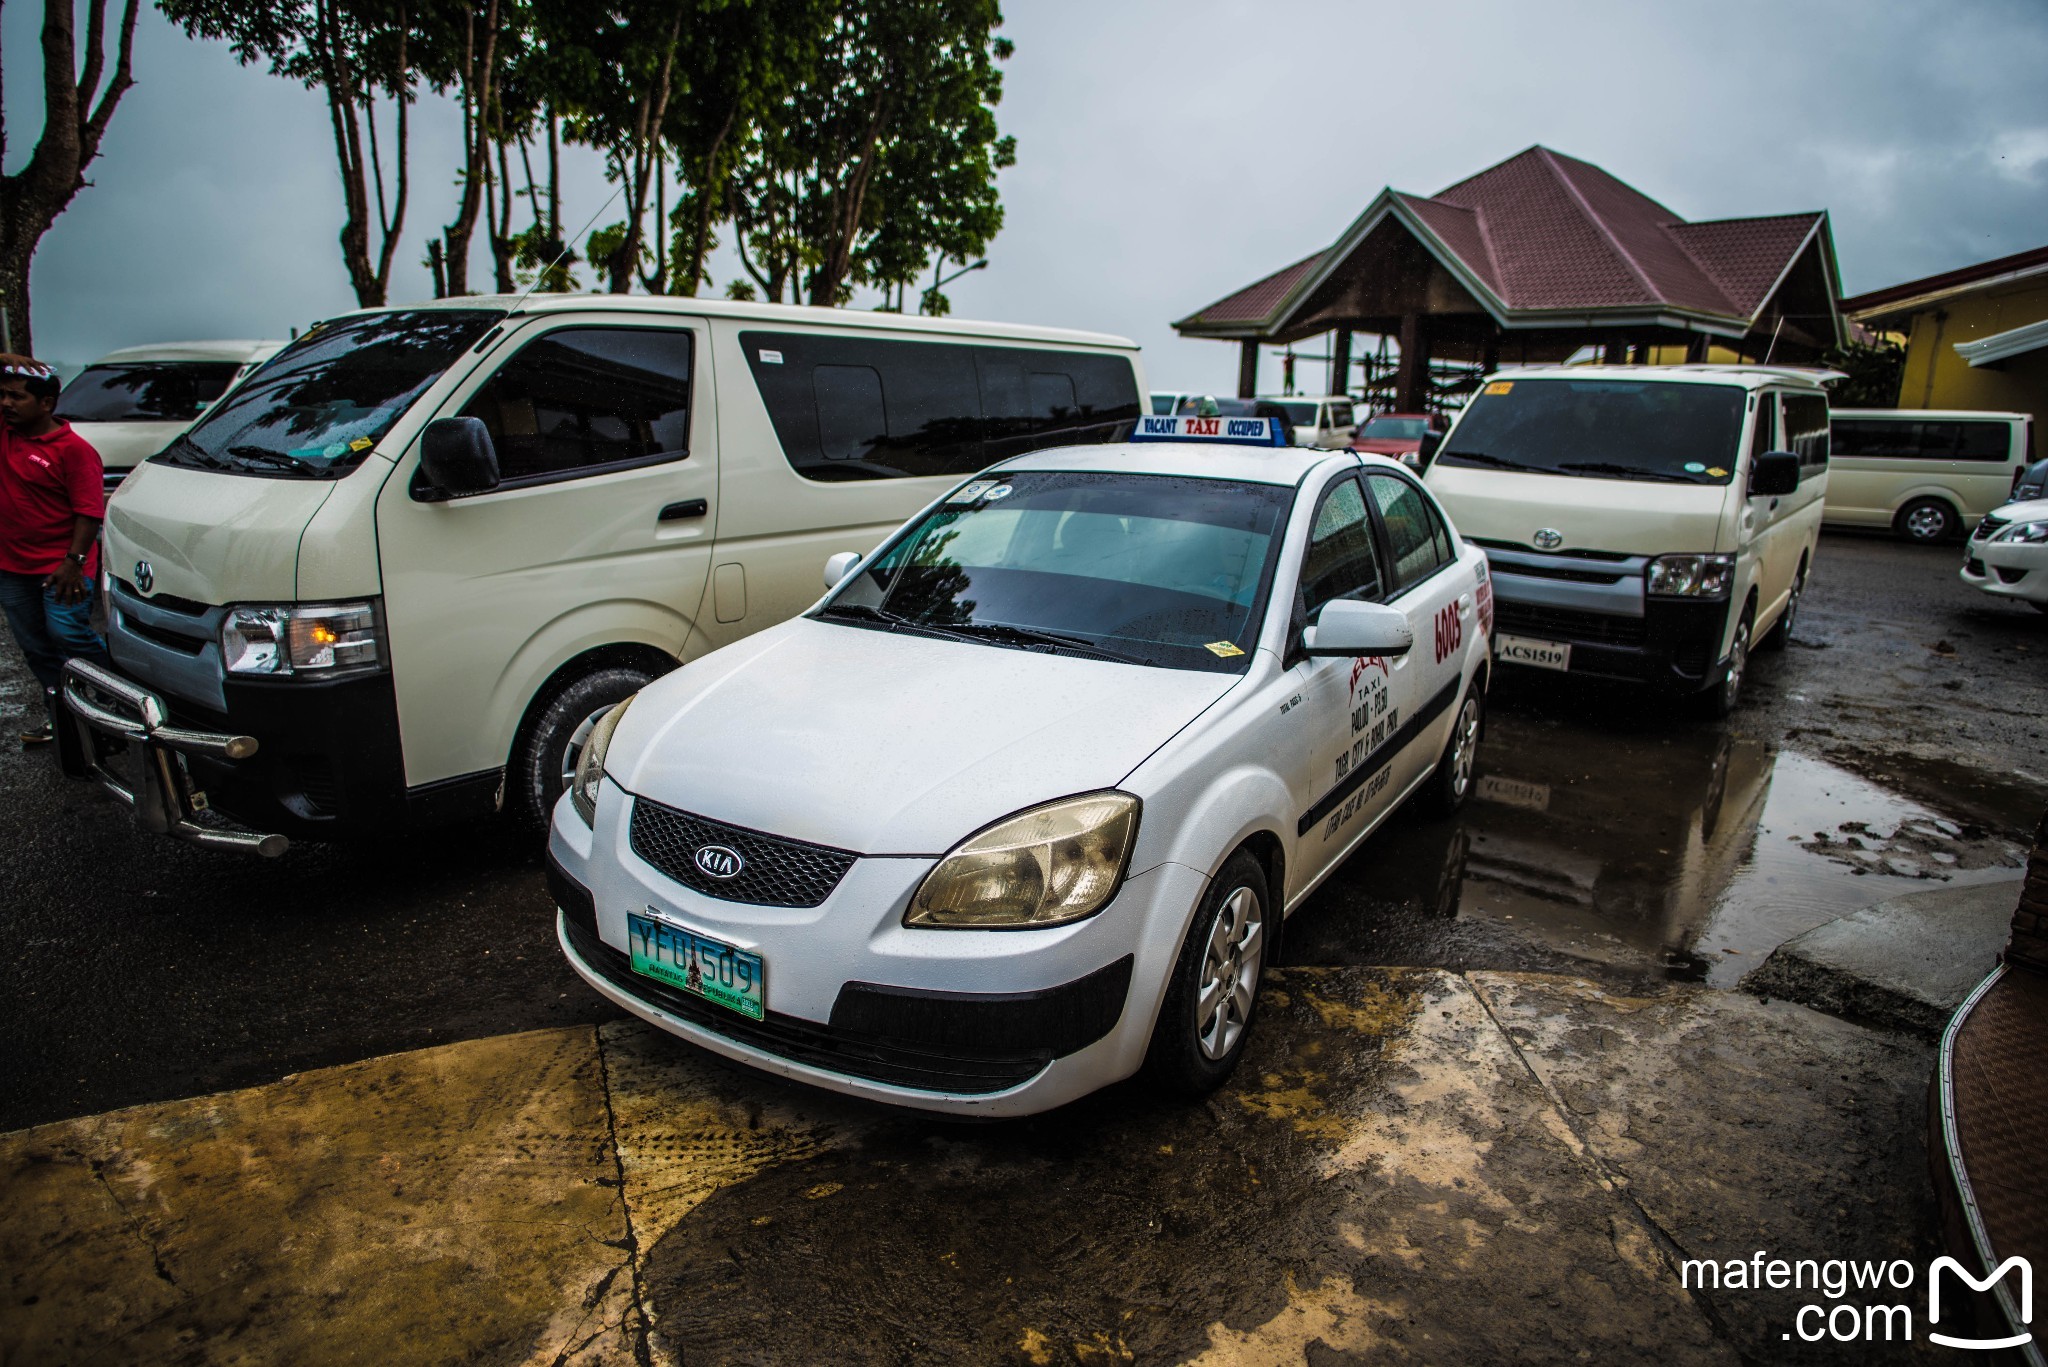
[(395, 576), (1927, 474)]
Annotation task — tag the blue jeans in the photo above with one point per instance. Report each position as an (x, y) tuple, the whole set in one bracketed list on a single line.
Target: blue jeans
[(49, 632)]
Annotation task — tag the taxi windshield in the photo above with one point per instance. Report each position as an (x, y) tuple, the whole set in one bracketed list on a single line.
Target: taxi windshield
[(1159, 570), (319, 406), (1654, 430)]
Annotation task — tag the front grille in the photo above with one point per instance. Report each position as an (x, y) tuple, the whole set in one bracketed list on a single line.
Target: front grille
[(774, 871), (926, 1068), (169, 640), (1567, 624), (185, 607), (1616, 557), (1561, 572), (1989, 525)]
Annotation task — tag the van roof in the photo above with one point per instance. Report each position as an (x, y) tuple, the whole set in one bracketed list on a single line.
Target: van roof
[(237, 351), (748, 311), (1917, 414), (1742, 376)]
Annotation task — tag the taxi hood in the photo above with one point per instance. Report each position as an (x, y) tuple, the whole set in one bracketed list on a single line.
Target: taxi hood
[(1629, 517), (212, 537), (888, 743)]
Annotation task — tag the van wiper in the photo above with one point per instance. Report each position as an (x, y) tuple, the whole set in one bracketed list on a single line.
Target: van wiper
[(1481, 458), (276, 460), (185, 451), (1595, 467)]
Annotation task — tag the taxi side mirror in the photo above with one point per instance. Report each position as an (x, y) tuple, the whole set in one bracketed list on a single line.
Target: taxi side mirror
[(457, 457), (839, 566), (1345, 627), (1775, 472)]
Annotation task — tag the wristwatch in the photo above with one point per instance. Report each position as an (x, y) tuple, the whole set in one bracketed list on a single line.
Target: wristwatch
[(75, 557)]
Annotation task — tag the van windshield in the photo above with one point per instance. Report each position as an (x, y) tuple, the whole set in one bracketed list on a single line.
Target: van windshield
[(150, 391), (319, 406), (1602, 429), (1147, 569)]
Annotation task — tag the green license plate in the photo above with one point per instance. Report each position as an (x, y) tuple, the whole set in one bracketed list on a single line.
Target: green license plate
[(710, 968)]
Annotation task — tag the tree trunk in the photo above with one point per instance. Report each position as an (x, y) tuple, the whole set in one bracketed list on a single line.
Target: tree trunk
[(847, 202), (478, 81), (690, 268), (639, 168), (32, 198)]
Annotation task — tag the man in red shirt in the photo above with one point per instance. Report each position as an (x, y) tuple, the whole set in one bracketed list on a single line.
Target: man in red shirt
[(52, 500)]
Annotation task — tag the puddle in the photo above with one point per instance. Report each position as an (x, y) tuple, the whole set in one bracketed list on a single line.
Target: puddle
[(1689, 854)]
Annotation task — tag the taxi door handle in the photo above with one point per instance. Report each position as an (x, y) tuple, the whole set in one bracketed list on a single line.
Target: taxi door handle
[(689, 507), (1464, 604)]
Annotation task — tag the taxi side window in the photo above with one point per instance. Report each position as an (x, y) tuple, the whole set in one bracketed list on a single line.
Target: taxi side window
[(579, 400), (1341, 561), (1416, 536)]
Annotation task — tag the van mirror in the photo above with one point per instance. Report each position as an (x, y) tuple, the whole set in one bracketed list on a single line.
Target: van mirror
[(1427, 451), (1775, 472), (457, 457), (839, 566), (1346, 627)]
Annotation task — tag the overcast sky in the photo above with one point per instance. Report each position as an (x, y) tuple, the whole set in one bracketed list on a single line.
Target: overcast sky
[(1168, 152)]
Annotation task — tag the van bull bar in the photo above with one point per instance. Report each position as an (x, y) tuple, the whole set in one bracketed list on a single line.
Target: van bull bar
[(115, 716)]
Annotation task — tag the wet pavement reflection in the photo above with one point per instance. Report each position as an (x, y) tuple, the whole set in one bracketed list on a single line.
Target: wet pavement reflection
[(1636, 846)]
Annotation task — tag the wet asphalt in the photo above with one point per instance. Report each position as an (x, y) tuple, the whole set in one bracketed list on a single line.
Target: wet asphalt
[(1896, 745)]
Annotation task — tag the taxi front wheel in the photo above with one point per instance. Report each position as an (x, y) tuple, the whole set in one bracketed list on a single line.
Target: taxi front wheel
[(1215, 986)]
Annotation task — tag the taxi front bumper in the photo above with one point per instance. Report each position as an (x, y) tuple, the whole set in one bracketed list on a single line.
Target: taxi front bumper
[(984, 1023)]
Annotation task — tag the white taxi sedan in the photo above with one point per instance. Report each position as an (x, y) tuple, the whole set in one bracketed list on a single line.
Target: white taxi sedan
[(2008, 553), (1019, 807)]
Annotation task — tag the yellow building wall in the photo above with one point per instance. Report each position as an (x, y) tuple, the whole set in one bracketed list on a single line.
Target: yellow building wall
[(1938, 378)]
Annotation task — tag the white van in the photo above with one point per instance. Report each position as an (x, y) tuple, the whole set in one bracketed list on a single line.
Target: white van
[(1642, 523), (394, 577), (1928, 474), (130, 404), (1327, 423)]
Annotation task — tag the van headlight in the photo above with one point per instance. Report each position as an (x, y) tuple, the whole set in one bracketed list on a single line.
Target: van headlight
[(1042, 867), (590, 764), (2032, 532), (1691, 576), (300, 638)]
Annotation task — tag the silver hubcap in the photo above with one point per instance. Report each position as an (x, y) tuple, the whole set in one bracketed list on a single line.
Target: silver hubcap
[(1738, 662), (573, 751), (1926, 524), (1230, 973), (1464, 747)]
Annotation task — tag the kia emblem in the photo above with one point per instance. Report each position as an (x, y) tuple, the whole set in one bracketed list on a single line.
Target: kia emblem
[(1548, 538), (718, 861), (145, 575)]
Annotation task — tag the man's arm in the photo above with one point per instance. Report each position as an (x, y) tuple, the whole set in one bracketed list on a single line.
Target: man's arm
[(67, 581)]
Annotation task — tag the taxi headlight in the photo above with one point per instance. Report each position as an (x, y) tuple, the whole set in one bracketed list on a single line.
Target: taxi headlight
[(2032, 532), (590, 764), (1691, 576), (300, 638), (1042, 867)]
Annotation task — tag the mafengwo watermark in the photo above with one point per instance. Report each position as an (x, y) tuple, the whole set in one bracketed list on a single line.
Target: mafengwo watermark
[(1865, 1301)]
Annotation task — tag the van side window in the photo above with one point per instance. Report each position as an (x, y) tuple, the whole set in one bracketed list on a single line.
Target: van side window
[(1806, 432), (1415, 535), (582, 399), (1919, 439), (857, 408), (1341, 561), (1764, 436), (1984, 441)]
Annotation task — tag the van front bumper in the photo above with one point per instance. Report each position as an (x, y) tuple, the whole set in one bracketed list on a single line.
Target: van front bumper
[(1615, 630), (980, 1023)]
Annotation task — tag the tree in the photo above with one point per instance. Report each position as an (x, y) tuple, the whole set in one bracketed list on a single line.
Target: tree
[(353, 51), (1875, 370), (76, 112), (895, 124)]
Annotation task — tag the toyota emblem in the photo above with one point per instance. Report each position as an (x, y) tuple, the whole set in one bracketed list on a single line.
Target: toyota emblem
[(145, 575), (718, 861), (1548, 538)]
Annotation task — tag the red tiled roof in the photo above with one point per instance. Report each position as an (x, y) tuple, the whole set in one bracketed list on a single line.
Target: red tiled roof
[(1543, 232), (1948, 280)]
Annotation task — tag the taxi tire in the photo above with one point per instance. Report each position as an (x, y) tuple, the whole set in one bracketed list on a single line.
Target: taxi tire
[(1175, 1062), (1455, 775), (535, 774)]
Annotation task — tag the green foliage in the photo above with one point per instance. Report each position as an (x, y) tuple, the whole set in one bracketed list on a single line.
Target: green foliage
[(1874, 370)]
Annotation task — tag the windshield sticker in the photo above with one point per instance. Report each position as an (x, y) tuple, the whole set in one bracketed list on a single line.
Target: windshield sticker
[(1000, 491), (361, 444), (771, 358), (1695, 467), (971, 493), (1500, 387), (1716, 471), (1221, 648)]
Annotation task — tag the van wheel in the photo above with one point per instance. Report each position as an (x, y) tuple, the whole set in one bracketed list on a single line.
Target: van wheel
[(1451, 784), (544, 760), (1780, 634), (1721, 700), (1202, 1024), (1927, 522)]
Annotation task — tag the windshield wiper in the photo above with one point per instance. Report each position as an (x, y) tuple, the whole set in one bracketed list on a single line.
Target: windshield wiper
[(184, 450), (1026, 636), (1481, 458), (276, 460), (1595, 467)]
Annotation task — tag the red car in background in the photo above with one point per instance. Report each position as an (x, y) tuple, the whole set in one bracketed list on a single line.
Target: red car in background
[(1397, 434)]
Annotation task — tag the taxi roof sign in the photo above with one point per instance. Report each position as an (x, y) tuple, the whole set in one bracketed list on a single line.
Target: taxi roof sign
[(1225, 431)]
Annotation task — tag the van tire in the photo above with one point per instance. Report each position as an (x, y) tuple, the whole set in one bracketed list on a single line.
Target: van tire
[(1780, 634), (1724, 697), (1927, 522), (1179, 1060), (545, 753)]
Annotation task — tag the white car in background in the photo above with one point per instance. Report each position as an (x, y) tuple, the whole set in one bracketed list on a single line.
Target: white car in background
[(1019, 807), (130, 404), (1327, 422), (2008, 553)]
